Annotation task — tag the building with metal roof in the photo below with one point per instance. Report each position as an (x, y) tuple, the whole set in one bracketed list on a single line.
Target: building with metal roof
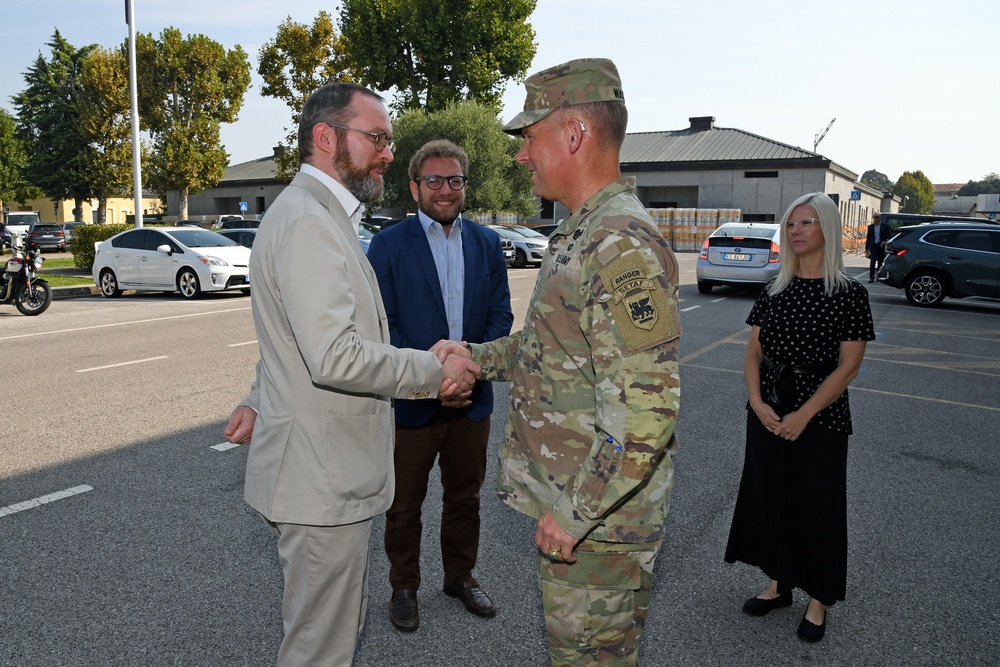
[(704, 166), (252, 182), (701, 166)]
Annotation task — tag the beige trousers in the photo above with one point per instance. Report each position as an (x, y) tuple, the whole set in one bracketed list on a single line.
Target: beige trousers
[(326, 592)]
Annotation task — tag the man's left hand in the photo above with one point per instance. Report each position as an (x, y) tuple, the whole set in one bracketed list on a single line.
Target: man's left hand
[(240, 426), (549, 536)]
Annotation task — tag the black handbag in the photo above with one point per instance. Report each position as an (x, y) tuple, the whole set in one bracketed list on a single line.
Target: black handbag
[(781, 394)]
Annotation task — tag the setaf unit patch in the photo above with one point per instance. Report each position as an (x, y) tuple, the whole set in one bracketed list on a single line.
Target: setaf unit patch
[(638, 301), (634, 289)]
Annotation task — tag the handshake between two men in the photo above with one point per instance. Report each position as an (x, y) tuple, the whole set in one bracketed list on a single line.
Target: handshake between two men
[(460, 373)]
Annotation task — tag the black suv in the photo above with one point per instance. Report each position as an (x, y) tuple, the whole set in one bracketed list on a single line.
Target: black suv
[(933, 260), (42, 235), (239, 223)]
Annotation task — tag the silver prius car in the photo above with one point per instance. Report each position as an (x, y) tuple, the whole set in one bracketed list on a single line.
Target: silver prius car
[(739, 253), (182, 259)]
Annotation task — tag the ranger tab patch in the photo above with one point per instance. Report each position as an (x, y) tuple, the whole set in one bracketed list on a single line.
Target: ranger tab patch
[(642, 308), (634, 289)]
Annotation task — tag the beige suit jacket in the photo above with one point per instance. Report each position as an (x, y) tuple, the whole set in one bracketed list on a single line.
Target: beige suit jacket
[(321, 452)]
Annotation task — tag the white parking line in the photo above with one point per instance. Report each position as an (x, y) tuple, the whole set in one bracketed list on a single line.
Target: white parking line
[(43, 500), (684, 310), (124, 363), (249, 342), (223, 446), (121, 324), (721, 298)]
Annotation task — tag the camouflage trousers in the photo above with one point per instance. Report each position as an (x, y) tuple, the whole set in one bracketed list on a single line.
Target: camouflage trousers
[(595, 608)]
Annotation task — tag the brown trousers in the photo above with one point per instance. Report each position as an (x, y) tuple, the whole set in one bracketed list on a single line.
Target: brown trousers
[(460, 445)]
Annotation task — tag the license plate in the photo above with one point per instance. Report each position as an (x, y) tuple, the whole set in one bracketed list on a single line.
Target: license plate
[(736, 256)]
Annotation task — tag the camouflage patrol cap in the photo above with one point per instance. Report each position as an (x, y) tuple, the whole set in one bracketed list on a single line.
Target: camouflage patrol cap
[(576, 82)]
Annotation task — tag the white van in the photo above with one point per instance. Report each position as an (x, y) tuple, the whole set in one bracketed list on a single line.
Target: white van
[(18, 222)]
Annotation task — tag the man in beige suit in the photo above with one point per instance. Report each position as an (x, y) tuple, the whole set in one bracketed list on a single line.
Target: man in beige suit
[(320, 464)]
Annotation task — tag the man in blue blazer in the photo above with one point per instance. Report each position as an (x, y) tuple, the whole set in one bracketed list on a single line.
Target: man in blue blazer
[(440, 277)]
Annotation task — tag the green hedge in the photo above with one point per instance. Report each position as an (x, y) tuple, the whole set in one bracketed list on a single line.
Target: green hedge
[(84, 237)]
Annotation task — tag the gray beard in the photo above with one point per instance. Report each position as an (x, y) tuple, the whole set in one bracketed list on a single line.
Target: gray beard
[(356, 179)]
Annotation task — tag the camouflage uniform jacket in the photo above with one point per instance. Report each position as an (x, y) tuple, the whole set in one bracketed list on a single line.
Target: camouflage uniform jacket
[(595, 384)]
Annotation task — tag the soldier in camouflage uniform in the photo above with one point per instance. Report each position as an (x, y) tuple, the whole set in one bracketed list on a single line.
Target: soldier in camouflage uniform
[(595, 384)]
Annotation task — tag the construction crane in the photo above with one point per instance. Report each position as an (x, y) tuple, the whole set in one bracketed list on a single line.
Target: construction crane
[(819, 137)]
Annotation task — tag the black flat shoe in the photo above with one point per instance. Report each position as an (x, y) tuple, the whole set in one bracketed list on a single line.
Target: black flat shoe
[(403, 611), (809, 631), (473, 597), (761, 607)]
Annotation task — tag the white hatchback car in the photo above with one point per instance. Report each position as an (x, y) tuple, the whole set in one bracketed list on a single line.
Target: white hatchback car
[(529, 247), (182, 259), (739, 253)]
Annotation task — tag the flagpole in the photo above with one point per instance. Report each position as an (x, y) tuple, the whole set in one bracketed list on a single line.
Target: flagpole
[(134, 95)]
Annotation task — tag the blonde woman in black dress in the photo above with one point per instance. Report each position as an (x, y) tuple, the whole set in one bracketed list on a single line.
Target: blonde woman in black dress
[(810, 327)]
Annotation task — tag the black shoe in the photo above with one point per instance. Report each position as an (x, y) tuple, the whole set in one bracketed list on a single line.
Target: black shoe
[(761, 607), (809, 631), (473, 597), (871, 281), (403, 611)]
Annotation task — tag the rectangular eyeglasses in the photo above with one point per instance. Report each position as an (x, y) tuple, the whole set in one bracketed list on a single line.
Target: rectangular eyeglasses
[(435, 182), (382, 139)]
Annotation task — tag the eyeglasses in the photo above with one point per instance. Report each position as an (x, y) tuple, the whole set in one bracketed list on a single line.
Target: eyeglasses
[(804, 223), (435, 182), (382, 139)]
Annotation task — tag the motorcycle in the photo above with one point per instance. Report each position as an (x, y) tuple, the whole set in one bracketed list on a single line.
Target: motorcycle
[(18, 284)]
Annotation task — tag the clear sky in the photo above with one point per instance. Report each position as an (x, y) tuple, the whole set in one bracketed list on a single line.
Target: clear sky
[(912, 84)]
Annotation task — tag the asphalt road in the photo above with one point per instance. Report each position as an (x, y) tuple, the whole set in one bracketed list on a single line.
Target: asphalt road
[(151, 557)]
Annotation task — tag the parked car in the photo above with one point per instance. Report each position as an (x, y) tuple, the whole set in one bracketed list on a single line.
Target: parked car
[(182, 259), (379, 220), (530, 232), (235, 222), (365, 233), (934, 260), (189, 223), (68, 228), (545, 230), (245, 237), (897, 220), (507, 246), (739, 253), (18, 222), (527, 250), (45, 236)]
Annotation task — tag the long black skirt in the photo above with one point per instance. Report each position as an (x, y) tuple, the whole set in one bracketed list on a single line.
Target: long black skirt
[(791, 512)]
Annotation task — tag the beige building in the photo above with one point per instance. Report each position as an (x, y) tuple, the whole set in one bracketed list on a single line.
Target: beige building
[(62, 211)]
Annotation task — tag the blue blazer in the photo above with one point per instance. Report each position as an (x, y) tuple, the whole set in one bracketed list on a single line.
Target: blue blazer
[(408, 281)]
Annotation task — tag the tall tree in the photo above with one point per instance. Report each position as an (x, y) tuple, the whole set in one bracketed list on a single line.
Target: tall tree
[(296, 62), (877, 180), (987, 185), (49, 124), (496, 181), (13, 157), (434, 53), (917, 192), (188, 87), (105, 121)]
